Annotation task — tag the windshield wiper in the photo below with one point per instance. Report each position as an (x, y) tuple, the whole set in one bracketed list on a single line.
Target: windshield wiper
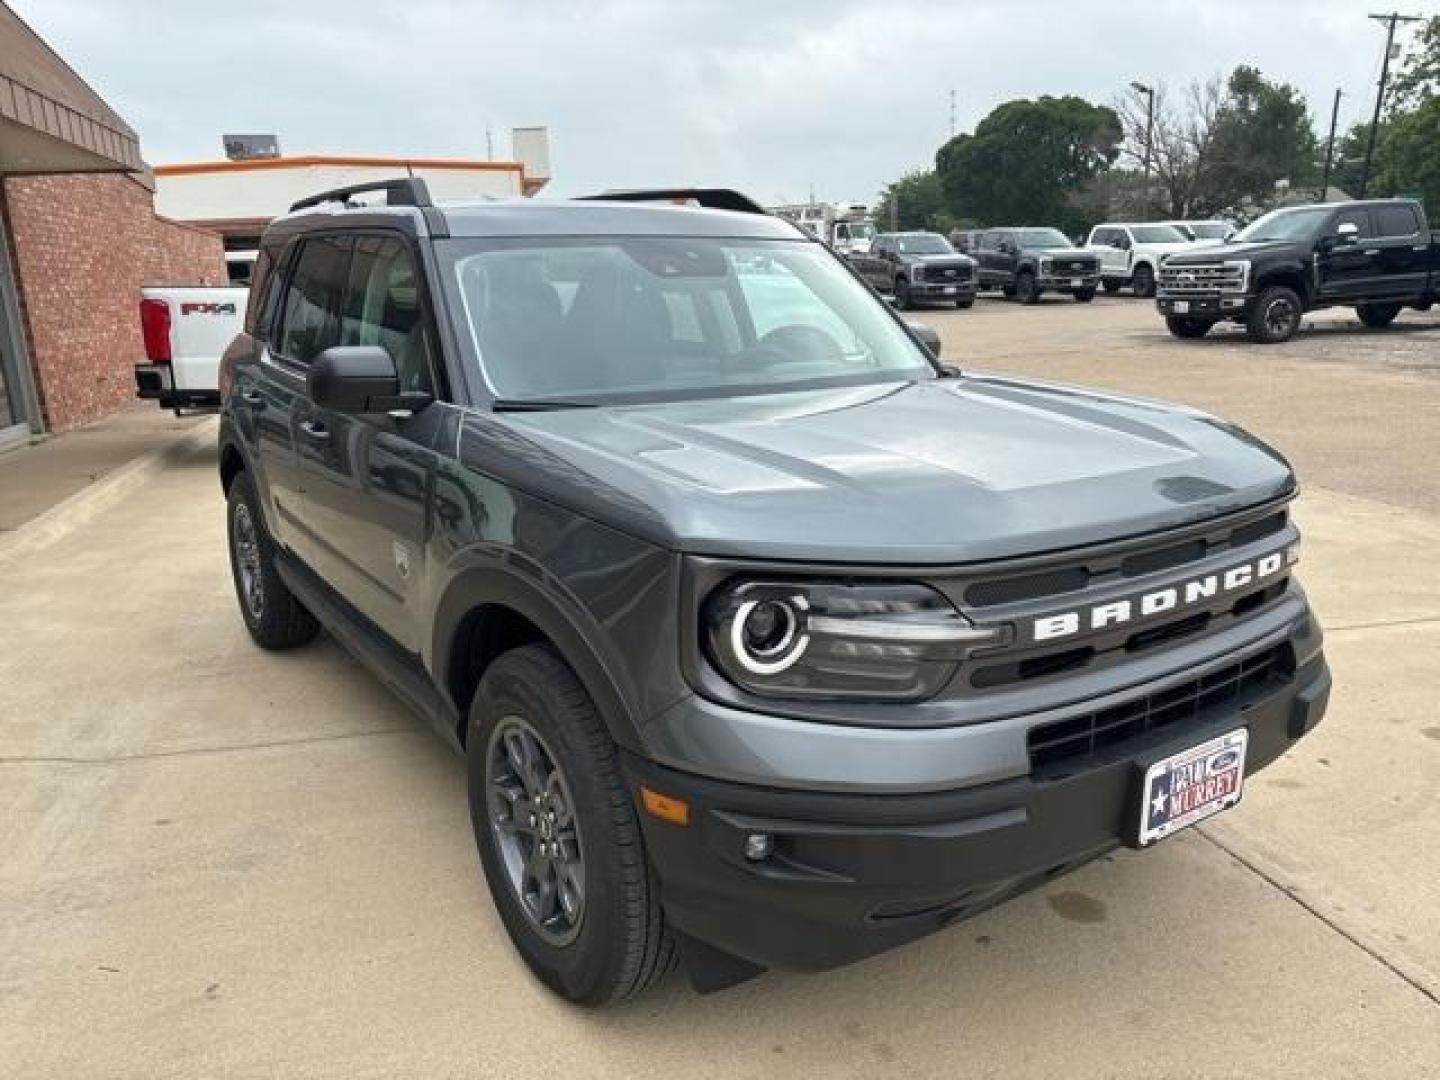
[(536, 405)]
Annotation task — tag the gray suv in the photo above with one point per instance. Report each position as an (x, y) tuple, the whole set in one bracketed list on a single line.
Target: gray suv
[(769, 640)]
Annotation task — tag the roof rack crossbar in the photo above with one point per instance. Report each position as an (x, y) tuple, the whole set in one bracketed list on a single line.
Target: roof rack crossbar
[(711, 198), (400, 191)]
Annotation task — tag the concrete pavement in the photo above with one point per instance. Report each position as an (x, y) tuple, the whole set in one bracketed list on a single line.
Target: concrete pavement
[(220, 862)]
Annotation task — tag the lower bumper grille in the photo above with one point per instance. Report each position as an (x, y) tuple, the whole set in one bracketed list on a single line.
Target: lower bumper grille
[(1077, 738)]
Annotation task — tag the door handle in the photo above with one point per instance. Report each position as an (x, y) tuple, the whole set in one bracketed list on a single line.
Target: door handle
[(315, 430)]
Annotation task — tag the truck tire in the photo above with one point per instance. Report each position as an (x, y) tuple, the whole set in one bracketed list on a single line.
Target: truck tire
[(1185, 327), (1275, 316), (558, 834), (965, 302), (1026, 291), (275, 619), (1377, 316), (1142, 282), (1008, 291), (1084, 296), (902, 295)]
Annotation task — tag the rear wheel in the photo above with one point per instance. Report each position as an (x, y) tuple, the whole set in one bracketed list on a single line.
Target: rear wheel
[(1183, 327), (1377, 316), (1143, 282), (558, 835), (1084, 296), (965, 302), (275, 619), (1275, 316), (1026, 290)]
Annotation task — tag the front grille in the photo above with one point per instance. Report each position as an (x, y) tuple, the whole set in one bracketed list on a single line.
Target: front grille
[(1201, 279), (1072, 266), (943, 273), (1062, 744)]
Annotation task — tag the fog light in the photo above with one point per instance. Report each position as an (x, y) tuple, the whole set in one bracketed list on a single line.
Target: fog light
[(758, 846)]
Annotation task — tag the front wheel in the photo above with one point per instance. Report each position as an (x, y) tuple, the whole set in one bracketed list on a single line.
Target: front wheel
[(965, 302), (558, 834), (1377, 316), (1183, 327), (903, 300), (1084, 296), (1026, 290), (1143, 283), (1275, 316)]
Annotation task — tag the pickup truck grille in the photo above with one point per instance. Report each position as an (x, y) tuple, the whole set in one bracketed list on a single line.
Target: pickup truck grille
[(944, 273), (1077, 739), (1074, 266), (1201, 279)]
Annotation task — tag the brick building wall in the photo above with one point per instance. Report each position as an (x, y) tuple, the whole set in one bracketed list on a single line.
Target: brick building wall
[(82, 247)]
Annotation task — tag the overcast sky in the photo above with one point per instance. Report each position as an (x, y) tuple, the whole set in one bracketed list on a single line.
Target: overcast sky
[(776, 97)]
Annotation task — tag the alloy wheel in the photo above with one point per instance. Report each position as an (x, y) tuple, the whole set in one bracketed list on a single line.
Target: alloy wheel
[(247, 560), (1280, 315), (532, 817)]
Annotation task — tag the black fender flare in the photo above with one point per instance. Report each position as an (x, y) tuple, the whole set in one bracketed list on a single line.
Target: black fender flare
[(562, 623)]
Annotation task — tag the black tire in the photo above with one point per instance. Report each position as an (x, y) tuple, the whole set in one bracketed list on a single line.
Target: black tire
[(1275, 316), (1026, 291), (619, 945), (275, 619), (1084, 296), (1377, 316), (1142, 282), (1186, 327), (902, 295), (1112, 285), (1008, 291), (965, 302)]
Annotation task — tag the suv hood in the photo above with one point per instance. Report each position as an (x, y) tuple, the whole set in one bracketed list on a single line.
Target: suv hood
[(940, 471), (1061, 252)]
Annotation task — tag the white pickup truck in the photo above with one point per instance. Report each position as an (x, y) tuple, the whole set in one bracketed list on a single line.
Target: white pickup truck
[(1130, 254), (185, 329)]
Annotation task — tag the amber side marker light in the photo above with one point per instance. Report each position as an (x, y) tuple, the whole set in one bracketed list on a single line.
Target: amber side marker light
[(665, 807)]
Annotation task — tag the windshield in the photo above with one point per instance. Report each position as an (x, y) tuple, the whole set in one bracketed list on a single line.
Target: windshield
[(605, 319), (1042, 238), (1208, 230), (923, 244), (1158, 234), (1296, 224), (854, 230)]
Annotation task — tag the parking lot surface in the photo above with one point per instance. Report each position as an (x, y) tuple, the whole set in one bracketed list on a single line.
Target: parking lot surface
[(220, 862)]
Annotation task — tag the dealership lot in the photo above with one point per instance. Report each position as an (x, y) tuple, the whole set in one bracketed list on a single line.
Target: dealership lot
[(223, 862)]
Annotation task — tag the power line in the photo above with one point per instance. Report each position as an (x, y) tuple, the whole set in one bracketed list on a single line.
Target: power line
[(1391, 21)]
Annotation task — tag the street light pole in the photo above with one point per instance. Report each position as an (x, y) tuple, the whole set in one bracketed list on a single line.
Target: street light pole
[(1390, 20), (1330, 147), (1149, 92)]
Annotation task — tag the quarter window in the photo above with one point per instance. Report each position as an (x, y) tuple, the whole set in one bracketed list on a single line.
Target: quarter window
[(312, 299)]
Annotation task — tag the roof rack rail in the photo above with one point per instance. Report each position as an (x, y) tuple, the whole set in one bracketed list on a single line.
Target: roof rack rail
[(400, 191), (711, 198)]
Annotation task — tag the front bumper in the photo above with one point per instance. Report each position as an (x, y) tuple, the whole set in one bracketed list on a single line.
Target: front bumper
[(942, 290), (1224, 306), (855, 874), (1068, 282)]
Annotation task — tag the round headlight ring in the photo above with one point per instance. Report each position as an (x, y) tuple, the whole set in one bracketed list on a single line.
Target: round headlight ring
[(786, 649)]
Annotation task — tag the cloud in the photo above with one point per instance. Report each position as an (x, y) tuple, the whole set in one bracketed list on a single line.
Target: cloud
[(779, 99)]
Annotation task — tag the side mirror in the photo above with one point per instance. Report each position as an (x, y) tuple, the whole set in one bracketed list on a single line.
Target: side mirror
[(928, 337), (1348, 233), (359, 379)]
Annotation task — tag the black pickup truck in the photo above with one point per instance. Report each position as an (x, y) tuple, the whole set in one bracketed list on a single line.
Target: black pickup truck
[(916, 266), (1025, 263), (1377, 256)]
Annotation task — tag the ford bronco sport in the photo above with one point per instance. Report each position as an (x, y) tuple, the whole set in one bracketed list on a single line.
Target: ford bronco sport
[(769, 640)]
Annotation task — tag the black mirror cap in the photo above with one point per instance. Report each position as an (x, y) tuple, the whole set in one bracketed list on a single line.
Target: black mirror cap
[(358, 379), (928, 337)]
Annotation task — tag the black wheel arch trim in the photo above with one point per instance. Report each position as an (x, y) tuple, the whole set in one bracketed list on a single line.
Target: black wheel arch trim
[(483, 586)]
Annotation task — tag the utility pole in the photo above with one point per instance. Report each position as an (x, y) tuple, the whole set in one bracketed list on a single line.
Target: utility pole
[(1149, 92), (1330, 147), (1390, 21)]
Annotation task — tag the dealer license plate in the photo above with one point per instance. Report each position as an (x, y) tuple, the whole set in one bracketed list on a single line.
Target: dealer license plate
[(1182, 306), (1192, 785)]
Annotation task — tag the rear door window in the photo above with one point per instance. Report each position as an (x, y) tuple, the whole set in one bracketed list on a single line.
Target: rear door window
[(1396, 221), (310, 324)]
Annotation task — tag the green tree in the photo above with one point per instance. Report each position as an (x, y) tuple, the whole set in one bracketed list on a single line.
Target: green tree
[(1418, 79), (1262, 134), (1411, 162), (1029, 162), (915, 201)]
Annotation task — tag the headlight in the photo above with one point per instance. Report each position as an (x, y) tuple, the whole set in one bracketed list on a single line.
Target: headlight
[(887, 642), (917, 272), (1046, 265)]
